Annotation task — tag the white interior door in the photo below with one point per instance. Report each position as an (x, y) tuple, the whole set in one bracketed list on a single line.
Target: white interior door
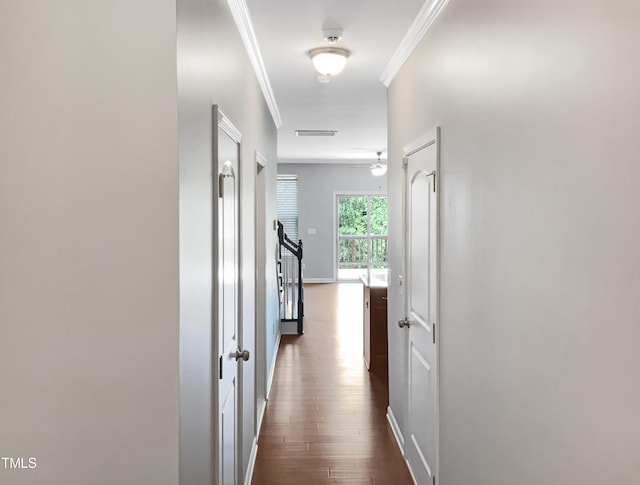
[(421, 306), (227, 305)]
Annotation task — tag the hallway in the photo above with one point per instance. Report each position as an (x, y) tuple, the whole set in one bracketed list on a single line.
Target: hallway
[(325, 420)]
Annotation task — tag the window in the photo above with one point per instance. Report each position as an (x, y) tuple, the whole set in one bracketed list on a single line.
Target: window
[(362, 236), (288, 204)]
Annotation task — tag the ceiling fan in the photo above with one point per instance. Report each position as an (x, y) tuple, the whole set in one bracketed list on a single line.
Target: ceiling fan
[(377, 168)]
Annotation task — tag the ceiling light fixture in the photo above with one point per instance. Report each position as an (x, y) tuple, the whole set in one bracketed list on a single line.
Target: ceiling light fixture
[(379, 169), (329, 61)]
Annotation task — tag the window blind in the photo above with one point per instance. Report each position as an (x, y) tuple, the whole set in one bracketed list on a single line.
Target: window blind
[(288, 204)]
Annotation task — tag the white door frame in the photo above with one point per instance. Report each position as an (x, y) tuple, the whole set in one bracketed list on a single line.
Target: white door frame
[(424, 141), (260, 289)]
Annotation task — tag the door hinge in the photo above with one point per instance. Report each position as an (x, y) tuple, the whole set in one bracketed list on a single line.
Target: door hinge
[(405, 162), (434, 333), (220, 187), (434, 479), (220, 367), (433, 173)]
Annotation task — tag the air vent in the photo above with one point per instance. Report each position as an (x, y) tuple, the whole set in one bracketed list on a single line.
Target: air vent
[(316, 132)]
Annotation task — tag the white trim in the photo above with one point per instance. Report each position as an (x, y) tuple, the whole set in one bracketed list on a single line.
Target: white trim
[(429, 138), (413, 476), (260, 290), (262, 407), (225, 124), (260, 160), (336, 241), (272, 371), (335, 236), (397, 434), (396, 429), (252, 462), (319, 280), (242, 18), (423, 21)]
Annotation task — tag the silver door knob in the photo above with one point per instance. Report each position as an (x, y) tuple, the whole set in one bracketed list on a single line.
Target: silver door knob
[(403, 323), (241, 354)]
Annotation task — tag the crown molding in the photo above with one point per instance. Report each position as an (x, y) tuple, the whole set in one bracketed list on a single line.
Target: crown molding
[(241, 16), (421, 24)]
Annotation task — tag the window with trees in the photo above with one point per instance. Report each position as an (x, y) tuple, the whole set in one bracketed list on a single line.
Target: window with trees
[(362, 235)]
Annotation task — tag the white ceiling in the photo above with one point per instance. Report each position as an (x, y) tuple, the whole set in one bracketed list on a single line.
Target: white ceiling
[(355, 101)]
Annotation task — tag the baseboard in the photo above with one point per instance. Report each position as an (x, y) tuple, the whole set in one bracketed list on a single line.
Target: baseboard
[(262, 406), (399, 440), (413, 476), (396, 429), (272, 371), (252, 462), (289, 328), (319, 280)]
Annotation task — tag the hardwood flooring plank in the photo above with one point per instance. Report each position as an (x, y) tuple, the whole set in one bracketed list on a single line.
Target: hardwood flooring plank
[(325, 421)]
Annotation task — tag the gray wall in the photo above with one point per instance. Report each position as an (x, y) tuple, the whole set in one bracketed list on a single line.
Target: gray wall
[(213, 68), (539, 109), (89, 242), (317, 185)]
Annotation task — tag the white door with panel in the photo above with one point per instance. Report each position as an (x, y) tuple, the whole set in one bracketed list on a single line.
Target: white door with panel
[(226, 310), (421, 306)]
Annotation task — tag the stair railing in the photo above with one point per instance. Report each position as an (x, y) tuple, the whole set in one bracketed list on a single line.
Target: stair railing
[(290, 279)]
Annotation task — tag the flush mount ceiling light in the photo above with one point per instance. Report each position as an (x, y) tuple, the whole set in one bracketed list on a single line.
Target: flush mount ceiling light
[(329, 61)]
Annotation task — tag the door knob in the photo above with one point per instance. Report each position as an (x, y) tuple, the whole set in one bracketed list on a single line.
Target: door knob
[(403, 323), (240, 354)]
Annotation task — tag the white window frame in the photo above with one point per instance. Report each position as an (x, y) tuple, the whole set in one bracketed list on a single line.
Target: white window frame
[(336, 234), (297, 208)]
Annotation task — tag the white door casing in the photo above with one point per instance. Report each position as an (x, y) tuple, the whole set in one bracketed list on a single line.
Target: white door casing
[(421, 305), (226, 311), (260, 290)]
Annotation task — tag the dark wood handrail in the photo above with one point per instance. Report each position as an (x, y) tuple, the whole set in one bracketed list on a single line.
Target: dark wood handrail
[(293, 247)]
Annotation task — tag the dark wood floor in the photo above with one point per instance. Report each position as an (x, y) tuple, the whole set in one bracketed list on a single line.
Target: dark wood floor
[(325, 420)]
